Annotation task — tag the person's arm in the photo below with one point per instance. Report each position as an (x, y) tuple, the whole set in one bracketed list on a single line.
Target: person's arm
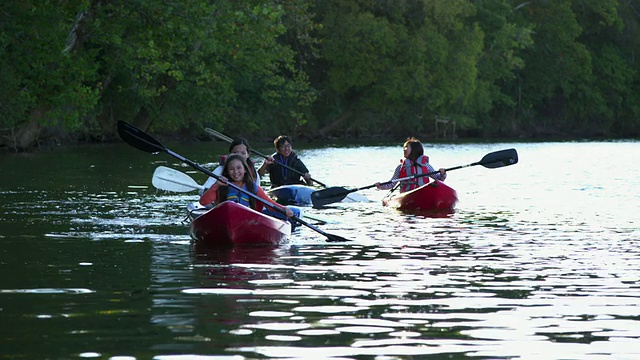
[(393, 181), (211, 180), (266, 197), (302, 168), (266, 164), (210, 196), (262, 170), (442, 175), (207, 184), (307, 179)]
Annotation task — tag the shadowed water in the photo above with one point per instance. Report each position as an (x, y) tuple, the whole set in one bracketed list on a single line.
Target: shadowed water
[(540, 260)]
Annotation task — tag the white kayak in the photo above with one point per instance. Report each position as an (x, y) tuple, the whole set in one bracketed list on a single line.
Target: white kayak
[(300, 195)]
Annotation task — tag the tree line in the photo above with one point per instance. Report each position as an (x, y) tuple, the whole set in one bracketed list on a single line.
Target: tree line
[(69, 70)]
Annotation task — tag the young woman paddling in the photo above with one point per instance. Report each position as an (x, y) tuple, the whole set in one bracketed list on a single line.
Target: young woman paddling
[(280, 175), (237, 172), (414, 163)]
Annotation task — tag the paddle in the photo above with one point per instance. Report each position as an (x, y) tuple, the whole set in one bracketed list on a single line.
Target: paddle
[(230, 140), (168, 179), (491, 161), (145, 142)]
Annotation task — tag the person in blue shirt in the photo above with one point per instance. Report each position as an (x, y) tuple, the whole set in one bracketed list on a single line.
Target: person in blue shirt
[(280, 175)]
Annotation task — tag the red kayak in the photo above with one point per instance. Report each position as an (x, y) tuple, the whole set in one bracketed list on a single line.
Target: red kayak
[(232, 224), (434, 196)]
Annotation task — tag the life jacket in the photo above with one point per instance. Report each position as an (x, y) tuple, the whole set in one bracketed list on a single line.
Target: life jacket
[(240, 197), (410, 168), (280, 175)]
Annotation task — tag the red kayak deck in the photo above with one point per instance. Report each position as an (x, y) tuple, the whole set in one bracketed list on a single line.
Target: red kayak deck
[(231, 224), (434, 196)]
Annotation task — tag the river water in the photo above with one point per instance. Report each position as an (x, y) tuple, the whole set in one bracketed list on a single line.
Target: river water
[(539, 261)]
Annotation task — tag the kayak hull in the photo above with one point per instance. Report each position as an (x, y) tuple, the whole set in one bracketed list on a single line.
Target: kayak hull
[(300, 195), (435, 196), (230, 224)]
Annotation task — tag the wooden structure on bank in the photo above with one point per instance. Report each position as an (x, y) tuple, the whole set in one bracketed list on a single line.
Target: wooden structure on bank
[(445, 128)]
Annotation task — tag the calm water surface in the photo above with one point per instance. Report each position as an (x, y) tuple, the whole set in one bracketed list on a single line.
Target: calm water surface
[(539, 261)]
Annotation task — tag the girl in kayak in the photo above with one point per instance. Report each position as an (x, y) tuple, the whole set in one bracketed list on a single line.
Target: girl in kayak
[(280, 175), (238, 146), (414, 163), (236, 171)]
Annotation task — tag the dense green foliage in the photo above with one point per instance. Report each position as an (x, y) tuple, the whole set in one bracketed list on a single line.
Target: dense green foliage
[(70, 70)]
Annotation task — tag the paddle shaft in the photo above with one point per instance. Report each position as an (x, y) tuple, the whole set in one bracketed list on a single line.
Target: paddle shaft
[(230, 140), (145, 142), (492, 160), (403, 179), (419, 175)]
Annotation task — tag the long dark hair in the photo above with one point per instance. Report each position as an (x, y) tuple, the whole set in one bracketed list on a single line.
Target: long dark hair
[(240, 141), (416, 149), (249, 180), (245, 142)]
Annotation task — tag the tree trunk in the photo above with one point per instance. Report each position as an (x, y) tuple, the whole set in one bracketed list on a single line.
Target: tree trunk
[(26, 136), (335, 123)]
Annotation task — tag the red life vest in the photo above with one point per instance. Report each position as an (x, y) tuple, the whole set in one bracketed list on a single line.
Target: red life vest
[(410, 168)]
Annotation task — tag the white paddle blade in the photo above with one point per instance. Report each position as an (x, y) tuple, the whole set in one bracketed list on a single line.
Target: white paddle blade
[(168, 179), (355, 197)]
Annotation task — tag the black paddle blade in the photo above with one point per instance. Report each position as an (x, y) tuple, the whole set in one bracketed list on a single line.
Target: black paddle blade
[(138, 138), (335, 238), (500, 158), (327, 196), (330, 237)]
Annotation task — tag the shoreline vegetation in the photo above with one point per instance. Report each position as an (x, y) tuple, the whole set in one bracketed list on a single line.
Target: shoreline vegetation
[(319, 70), (266, 144)]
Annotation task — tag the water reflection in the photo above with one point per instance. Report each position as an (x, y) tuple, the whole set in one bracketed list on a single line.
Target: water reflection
[(234, 255), (446, 296)]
